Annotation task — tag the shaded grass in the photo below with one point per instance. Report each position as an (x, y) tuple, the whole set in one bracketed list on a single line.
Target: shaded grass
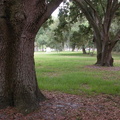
[(66, 72)]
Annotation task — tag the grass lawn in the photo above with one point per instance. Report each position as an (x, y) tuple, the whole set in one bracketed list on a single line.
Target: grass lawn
[(67, 72)]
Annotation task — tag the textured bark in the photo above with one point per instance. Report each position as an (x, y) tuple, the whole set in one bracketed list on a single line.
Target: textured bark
[(4, 97), (19, 23), (104, 55), (19, 86)]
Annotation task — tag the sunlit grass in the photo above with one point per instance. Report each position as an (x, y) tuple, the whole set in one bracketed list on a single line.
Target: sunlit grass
[(67, 72)]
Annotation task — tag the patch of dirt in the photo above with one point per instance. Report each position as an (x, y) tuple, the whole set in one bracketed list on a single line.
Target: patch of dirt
[(61, 106), (103, 68), (51, 74)]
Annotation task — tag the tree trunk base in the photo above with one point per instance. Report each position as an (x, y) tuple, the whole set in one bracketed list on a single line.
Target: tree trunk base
[(102, 60), (4, 102), (25, 104)]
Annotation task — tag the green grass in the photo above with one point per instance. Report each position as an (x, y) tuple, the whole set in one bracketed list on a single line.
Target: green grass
[(67, 72)]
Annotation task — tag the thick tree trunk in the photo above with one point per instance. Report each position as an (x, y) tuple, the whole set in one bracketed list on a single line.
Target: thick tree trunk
[(106, 58), (18, 84), (25, 91), (104, 55), (20, 21)]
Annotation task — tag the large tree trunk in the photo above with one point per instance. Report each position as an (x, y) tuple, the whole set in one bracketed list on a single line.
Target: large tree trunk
[(106, 57), (104, 52), (25, 91), (18, 84), (20, 21)]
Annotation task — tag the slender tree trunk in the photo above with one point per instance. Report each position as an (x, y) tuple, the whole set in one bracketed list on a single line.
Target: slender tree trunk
[(83, 50), (73, 47), (63, 45), (89, 49)]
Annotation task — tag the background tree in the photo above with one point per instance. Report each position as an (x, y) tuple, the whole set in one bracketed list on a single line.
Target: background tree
[(100, 19), (42, 38), (81, 38), (46, 35), (72, 28)]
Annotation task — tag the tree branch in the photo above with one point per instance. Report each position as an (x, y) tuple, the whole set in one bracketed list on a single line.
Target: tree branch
[(102, 6), (93, 19), (74, 18), (50, 8), (82, 5), (112, 7), (117, 37)]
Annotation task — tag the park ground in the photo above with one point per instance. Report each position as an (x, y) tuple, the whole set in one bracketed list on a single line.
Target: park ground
[(75, 89)]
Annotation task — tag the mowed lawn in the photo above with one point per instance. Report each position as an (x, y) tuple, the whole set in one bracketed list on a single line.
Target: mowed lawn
[(68, 72)]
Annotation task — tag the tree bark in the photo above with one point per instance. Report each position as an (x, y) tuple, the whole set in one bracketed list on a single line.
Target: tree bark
[(4, 96), (104, 56), (26, 91), (18, 80), (19, 23)]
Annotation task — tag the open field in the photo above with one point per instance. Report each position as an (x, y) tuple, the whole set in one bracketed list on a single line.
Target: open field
[(70, 72), (94, 91)]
